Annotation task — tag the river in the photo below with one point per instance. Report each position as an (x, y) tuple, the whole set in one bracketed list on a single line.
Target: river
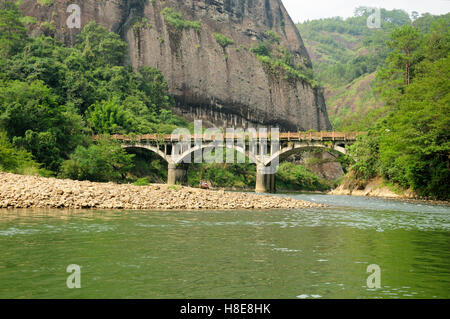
[(312, 253)]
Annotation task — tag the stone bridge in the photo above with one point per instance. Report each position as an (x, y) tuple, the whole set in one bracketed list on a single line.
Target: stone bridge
[(264, 152)]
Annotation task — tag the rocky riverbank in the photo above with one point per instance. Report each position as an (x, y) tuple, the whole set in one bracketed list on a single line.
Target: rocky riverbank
[(371, 188), (19, 191)]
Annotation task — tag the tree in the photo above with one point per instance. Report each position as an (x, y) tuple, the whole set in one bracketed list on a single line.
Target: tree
[(15, 160), (436, 44), (34, 120), (404, 41), (100, 162), (48, 91), (397, 74), (101, 47), (109, 117), (12, 31), (415, 148), (156, 88)]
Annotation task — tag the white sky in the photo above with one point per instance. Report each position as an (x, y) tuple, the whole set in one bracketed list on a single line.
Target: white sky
[(302, 10)]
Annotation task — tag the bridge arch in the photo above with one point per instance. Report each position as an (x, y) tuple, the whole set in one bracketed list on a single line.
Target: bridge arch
[(151, 148), (202, 147), (287, 151)]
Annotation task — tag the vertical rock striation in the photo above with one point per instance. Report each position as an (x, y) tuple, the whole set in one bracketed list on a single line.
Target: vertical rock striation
[(223, 83)]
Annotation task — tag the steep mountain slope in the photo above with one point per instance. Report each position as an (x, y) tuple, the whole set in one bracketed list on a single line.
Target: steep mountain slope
[(346, 54), (207, 51), (349, 103)]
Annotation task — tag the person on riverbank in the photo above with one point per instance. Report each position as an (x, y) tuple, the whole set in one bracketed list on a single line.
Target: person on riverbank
[(204, 185)]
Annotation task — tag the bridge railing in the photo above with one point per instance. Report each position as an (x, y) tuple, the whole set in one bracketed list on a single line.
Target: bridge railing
[(295, 136)]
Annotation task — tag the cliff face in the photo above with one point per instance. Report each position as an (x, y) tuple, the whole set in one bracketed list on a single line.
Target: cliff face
[(226, 85)]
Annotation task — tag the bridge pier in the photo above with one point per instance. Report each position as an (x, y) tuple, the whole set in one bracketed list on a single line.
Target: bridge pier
[(177, 174), (265, 183), (270, 183)]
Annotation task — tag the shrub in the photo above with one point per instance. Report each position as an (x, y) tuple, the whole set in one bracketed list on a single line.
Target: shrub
[(142, 182), (101, 162), (15, 160), (296, 177), (176, 20), (223, 40)]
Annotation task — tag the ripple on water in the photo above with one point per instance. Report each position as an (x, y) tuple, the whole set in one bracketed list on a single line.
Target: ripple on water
[(51, 229), (305, 296), (13, 231)]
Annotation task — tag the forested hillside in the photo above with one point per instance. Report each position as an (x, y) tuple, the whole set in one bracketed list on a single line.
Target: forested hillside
[(394, 84), (53, 98), (346, 55)]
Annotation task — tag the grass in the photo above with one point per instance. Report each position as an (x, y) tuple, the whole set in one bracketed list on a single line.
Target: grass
[(142, 182)]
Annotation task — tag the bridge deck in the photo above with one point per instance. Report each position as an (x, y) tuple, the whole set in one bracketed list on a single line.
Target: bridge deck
[(294, 136)]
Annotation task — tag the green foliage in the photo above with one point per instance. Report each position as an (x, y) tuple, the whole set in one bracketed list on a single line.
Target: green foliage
[(48, 28), (101, 162), (262, 49), (365, 156), (100, 47), (33, 118), (48, 91), (393, 84), (109, 117), (346, 49), (223, 40), (279, 61), (409, 142), (15, 160), (296, 177), (12, 32), (176, 20), (415, 149), (142, 182), (27, 20), (140, 24), (400, 62), (273, 37), (45, 2), (350, 60), (241, 176), (148, 165)]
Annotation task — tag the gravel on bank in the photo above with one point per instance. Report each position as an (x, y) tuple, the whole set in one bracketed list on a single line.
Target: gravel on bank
[(19, 191)]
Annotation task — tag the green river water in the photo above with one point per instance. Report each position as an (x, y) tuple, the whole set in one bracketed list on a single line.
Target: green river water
[(313, 253)]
